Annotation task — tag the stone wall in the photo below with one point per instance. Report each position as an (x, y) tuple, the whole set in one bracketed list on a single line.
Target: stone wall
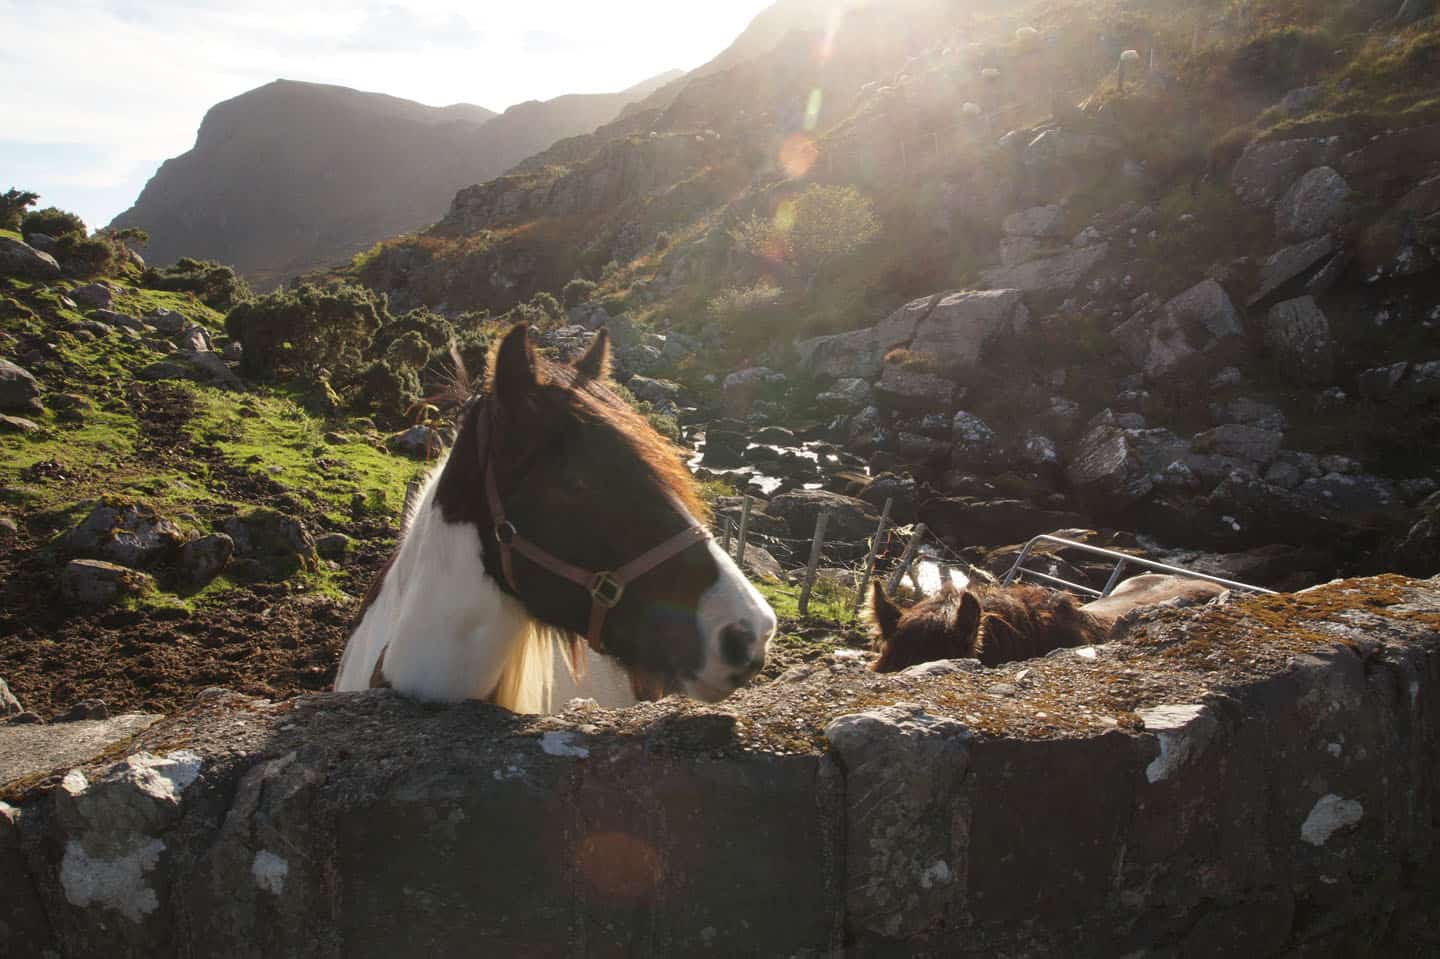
[(1258, 778)]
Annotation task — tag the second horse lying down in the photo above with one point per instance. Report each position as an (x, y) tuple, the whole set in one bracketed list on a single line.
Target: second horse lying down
[(1001, 624)]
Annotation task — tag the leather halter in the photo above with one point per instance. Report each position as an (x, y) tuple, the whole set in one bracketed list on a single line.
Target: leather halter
[(606, 587)]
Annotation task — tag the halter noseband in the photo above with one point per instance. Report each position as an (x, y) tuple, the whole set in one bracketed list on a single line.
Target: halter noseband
[(606, 587)]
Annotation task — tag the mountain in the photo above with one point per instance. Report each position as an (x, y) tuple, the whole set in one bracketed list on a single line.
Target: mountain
[(292, 177)]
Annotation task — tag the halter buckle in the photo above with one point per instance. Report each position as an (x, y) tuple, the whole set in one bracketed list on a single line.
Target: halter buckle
[(606, 590), (505, 533)]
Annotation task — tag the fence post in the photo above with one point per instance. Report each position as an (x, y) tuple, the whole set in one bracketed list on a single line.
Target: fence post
[(906, 559), (744, 531), (874, 548), (725, 534), (816, 545)]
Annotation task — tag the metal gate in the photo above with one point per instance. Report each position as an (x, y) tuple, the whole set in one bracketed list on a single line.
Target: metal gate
[(1122, 560)]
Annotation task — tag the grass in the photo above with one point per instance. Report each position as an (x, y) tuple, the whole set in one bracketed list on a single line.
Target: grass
[(830, 603)]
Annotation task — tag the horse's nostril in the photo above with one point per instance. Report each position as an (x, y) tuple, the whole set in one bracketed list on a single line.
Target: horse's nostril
[(736, 643)]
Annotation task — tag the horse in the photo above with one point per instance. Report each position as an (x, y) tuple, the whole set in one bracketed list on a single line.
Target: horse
[(992, 624), (553, 553), (1000, 624)]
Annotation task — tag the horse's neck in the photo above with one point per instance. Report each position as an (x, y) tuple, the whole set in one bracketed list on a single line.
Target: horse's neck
[(447, 630)]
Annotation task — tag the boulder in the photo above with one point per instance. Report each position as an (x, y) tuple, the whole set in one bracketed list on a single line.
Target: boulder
[(95, 296), (1288, 268), (94, 584), (417, 442), (962, 325), (201, 560), (1107, 469), (918, 448), (1298, 337), (1039, 222), (17, 424), (168, 322), (991, 522), (1403, 154), (1349, 493), (19, 390), (1313, 206), (974, 442), (1193, 322), (23, 260), (333, 546), (121, 320), (1266, 170), (724, 449), (652, 390), (851, 519), (1247, 443), (196, 339), (846, 396), (129, 535), (1061, 147), (1050, 275), (272, 545), (901, 388), (854, 355), (743, 387)]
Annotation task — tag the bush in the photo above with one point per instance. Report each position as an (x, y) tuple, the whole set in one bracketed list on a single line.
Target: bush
[(218, 287), (662, 241), (817, 227), (409, 351), (577, 291), (307, 330), (735, 302), (13, 204), (388, 391), (547, 304), (434, 331), (83, 255), (51, 222)]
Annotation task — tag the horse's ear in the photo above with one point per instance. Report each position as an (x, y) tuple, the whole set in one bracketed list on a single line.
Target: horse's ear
[(883, 613), (513, 373), (595, 364), (967, 616)]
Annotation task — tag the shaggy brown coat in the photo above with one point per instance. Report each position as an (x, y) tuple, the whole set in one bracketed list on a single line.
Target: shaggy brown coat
[(992, 624)]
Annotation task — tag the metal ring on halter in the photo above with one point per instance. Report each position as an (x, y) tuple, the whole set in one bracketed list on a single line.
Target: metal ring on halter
[(606, 590), (505, 532)]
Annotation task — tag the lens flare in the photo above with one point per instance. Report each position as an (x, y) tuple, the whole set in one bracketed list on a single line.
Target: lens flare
[(812, 109), (798, 154), (785, 217)]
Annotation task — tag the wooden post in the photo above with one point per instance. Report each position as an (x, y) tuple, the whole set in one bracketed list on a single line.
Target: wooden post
[(725, 532), (874, 548), (744, 531), (906, 559), (816, 545)]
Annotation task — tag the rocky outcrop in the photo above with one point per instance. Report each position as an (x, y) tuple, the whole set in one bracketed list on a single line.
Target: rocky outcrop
[(94, 584), (22, 260), (19, 390), (1049, 275), (1314, 205), (1280, 754), (1160, 341)]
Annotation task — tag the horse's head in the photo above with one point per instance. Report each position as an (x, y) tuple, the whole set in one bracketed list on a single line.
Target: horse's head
[(585, 480), (944, 626)]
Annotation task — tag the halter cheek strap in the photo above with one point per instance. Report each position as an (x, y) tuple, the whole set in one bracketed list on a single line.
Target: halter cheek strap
[(606, 587)]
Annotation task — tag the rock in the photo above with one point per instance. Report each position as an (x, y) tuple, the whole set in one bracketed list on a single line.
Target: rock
[(1181, 734), (130, 535), (1248, 443), (1059, 147), (1400, 154), (1314, 205), (851, 519), (1301, 100), (86, 709), (679, 347), (724, 449), (201, 560), (856, 355), (1039, 451), (95, 296), (417, 442), (1015, 250), (121, 320), (1298, 337), (9, 705), (653, 391), (196, 339), (898, 881), (333, 546), (1051, 275), (743, 387), (974, 442), (775, 436), (761, 564), (846, 396), (900, 490), (1193, 322), (1250, 412), (166, 370), (1041, 222), (1266, 170), (917, 448), (19, 390), (991, 522), (9, 534), (1290, 266), (93, 584), (170, 323), (17, 424), (1348, 493), (961, 326), (272, 545), (1105, 467), (901, 388), (23, 260)]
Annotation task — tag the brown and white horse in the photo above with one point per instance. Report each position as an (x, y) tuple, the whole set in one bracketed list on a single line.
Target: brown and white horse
[(1000, 624), (559, 514)]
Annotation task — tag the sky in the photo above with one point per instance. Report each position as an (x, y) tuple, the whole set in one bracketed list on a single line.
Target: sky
[(95, 94)]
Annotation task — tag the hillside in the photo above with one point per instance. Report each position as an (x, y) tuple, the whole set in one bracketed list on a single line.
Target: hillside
[(292, 177)]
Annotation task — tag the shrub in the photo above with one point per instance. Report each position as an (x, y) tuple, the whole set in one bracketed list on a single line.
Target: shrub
[(730, 304), (434, 331), (83, 255), (662, 241), (577, 291), (388, 391), (52, 222), (409, 351), (820, 225), (218, 287), (547, 304), (307, 330), (13, 204)]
